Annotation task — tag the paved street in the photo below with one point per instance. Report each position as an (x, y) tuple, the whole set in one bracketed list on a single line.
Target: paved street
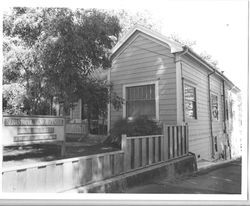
[(225, 179)]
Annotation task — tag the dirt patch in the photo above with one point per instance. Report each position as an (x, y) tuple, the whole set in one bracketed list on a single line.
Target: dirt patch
[(16, 156)]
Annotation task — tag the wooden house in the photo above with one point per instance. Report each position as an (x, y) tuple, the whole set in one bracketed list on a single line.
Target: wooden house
[(170, 83)]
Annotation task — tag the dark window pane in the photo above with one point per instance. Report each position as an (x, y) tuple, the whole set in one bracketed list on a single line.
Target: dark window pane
[(190, 101), (215, 106), (140, 101)]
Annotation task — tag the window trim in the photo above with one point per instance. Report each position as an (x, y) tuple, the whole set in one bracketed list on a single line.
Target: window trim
[(156, 83), (217, 95), (191, 84)]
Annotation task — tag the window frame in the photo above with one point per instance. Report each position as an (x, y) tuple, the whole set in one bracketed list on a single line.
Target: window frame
[(218, 106), (195, 94), (156, 83)]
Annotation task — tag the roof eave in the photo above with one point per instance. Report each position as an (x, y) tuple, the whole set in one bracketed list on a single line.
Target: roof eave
[(174, 46), (209, 67)]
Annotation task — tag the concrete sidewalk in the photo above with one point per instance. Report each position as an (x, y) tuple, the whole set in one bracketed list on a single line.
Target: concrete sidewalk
[(208, 164), (221, 177)]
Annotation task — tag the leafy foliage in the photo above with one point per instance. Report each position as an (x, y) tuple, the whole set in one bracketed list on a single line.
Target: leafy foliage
[(191, 44), (128, 19), (140, 126), (52, 52)]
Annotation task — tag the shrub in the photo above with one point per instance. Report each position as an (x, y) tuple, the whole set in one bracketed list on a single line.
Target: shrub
[(140, 126)]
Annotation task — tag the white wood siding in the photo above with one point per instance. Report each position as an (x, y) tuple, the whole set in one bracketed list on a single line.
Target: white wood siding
[(144, 60), (199, 129)]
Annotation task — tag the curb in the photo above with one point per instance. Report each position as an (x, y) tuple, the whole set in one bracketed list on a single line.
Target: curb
[(216, 165)]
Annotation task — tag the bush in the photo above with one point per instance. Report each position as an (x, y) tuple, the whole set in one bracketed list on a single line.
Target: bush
[(141, 126)]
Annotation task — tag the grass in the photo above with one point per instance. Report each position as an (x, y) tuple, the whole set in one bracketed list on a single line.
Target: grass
[(16, 156)]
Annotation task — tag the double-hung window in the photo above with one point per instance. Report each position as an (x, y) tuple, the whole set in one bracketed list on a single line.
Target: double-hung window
[(140, 100), (190, 101)]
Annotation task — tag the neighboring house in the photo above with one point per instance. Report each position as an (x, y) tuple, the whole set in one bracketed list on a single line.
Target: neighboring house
[(79, 112), (170, 83)]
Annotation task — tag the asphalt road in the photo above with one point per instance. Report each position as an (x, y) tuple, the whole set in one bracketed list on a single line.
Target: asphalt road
[(224, 179)]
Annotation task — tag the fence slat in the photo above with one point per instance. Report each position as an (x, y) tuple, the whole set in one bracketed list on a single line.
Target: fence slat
[(31, 183), (150, 152), (179, 141), (136, 154), (59, 177), (9, 181), (187, 140), (97, 164), (107, 168), (156, 149), (175, 141), (117, 164), (112, 164), (41, 179), (81, 165), (128, 156), (21, 181), (144, 151), (67, 175), (121, 161), (51, 178), (182, 141), (165, 142), (162, 148), (171, 148)]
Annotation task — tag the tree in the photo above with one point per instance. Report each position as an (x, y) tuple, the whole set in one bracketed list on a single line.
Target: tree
[(128, 19), (52, 52), (208, 58), (190, 43)]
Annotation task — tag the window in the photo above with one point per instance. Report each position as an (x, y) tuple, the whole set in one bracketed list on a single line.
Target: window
[(140, 100), (215, 106), (190, 101)]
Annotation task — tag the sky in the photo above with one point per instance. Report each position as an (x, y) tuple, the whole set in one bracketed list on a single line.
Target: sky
[(219, 27)]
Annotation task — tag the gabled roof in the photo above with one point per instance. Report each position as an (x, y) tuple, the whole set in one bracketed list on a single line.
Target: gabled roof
[(174, 46)]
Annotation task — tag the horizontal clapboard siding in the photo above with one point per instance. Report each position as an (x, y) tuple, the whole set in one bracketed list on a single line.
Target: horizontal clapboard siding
[(199, 130), (144, 60)]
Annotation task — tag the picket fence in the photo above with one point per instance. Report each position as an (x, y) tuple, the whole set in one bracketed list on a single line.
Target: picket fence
[(61, 175)]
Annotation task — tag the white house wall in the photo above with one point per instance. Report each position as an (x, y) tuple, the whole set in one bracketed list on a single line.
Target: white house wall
[(199, 129), (144, 60)]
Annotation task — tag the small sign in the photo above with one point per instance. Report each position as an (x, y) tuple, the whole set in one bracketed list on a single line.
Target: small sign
[(33, 122), (35, 130), (34, 137)]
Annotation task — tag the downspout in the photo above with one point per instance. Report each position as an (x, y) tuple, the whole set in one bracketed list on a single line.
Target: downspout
[(182, 84), (109, 104), (210, 113), (225, 118), (224, 106)]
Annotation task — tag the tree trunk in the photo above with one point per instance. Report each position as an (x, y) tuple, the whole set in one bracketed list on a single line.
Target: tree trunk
[(51, 105)]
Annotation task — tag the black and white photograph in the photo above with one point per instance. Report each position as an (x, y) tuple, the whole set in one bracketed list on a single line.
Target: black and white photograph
[(125, 102)]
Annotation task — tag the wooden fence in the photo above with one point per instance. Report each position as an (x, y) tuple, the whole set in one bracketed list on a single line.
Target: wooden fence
[(61, 175), (76, 130), (137, 153), (142, 151)]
